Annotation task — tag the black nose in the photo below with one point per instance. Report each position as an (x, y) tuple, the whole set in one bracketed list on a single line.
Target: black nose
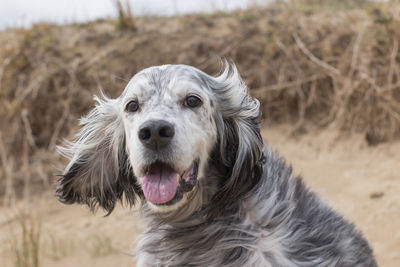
[(156, 134)]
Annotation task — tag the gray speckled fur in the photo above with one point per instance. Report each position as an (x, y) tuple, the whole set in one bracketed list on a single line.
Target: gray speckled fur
[(246, 209)]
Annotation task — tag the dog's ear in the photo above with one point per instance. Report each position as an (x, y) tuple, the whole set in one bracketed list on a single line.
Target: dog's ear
[(99, 173), (239, 139)]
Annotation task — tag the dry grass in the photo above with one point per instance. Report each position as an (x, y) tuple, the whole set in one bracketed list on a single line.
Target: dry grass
[(332, 66), (100, 246), (25, 242), (125, 16)]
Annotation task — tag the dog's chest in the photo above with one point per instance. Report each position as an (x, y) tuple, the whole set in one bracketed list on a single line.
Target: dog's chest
[(220, 244)]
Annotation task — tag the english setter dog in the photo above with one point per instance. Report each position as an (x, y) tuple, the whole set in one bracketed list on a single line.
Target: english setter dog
[(188, 146)]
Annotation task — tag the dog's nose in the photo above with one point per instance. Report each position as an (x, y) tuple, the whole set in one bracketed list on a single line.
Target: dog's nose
[(156, 134)]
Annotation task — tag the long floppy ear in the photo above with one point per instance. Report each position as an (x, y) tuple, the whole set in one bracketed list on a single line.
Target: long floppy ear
[(99, 173), (239, 139)]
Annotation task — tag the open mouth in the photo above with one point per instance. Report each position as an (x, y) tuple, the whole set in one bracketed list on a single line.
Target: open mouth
[(162, 185)]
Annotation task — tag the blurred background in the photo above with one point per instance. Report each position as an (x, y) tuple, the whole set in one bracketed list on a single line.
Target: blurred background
[(327, 74), (23, 13)]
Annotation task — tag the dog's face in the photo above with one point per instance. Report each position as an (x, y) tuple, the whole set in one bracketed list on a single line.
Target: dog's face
[(175, 135), (168, 117)]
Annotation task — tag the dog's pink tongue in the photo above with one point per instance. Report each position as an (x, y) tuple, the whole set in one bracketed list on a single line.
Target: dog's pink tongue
[(159, 185)]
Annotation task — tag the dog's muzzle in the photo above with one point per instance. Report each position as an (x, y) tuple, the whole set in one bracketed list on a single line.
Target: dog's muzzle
[(162, 185)]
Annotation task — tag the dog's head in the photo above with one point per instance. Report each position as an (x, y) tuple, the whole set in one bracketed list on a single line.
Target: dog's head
[(160, 139)]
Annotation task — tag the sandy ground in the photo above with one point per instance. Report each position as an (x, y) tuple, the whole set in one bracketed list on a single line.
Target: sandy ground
[(361, 182)]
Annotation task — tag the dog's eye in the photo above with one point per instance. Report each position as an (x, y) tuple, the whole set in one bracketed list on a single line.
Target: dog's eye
[(132, 106), (193, 101)]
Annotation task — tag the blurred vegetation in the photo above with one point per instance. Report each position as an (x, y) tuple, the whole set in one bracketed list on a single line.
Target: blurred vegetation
[(332, 4), (321, 63), (125, 16), (101, 246), (25, 244)]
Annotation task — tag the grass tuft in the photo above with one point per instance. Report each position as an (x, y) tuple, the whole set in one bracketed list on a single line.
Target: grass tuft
[(25, 245), (125, 19)]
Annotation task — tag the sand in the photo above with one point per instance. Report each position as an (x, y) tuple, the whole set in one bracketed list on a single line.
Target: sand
[(361, 182)]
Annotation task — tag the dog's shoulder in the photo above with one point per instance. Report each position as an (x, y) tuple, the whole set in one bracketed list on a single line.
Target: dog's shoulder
[(307, 229)]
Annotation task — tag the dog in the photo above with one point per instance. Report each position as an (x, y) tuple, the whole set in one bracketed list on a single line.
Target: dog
[(187, 145)]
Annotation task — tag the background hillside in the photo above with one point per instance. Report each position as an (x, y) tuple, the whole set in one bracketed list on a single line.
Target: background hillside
[(315, 65), (326, 65)]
